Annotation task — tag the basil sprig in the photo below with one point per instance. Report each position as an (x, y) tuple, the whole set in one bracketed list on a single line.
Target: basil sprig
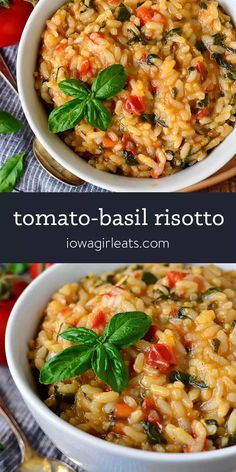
[(8, 123), (100, 353), (11, 171), (87, 103)]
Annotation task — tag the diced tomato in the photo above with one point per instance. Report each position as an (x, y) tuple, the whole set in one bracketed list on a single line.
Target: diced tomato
[(174, 311), (135, 105), (203, 113), (201, 68), (122, 410), (85, 67), (145, 14), (154, 174), (96, 38), (162, 357), (128, 144), (200, 282), (174, 277), (99, 320), (137, 275), (108, 142), (151, 334), (150, 414)]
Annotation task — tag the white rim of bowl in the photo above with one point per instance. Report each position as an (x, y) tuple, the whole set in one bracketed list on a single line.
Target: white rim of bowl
[(37, 404), (201, 169)]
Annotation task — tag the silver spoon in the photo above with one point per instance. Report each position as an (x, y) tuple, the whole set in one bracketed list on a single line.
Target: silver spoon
[(43, 157), (30, 460)]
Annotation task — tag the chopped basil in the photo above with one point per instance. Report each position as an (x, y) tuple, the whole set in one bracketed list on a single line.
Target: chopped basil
[(234, 323), (209, 291), (90, 4), (137, 38), (219, 58), (203, 5), (160, 121), (153, 433), (160, 296), (231, 440), (130, 159), (186, 379), (218, 39), (150, 58), (191, 69), (150, 117), (122, 13), (149, 278), (181, 312), (174, 92), (216, 344), (212, 422), (201, 46), (111, 279), (203, 103), (171, 33)]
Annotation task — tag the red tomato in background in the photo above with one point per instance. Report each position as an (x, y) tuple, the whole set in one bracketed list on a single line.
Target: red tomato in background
[(13, 20), (5, 310), (37, 268)]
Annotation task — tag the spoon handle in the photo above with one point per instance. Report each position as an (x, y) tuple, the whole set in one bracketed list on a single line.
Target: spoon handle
[(26, 450)]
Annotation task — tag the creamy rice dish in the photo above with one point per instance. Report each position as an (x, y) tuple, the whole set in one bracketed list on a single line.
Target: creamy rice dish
[(178, 391), (179, 99)]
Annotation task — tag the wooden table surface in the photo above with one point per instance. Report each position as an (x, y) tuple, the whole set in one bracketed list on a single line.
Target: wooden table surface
[(227, 186)]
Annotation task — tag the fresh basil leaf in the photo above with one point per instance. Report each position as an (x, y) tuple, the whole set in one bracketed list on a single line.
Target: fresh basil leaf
[(97, 115), (74, 88), (109, 82), (186, 379), (84, 336), (69, 363), (66, 116), (125, 329), (149, 278), (9, 124), (109, 366), (11, 171), (153, 433)]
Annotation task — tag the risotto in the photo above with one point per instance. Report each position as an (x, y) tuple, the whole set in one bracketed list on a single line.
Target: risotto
[(180, 394), (179, 100)]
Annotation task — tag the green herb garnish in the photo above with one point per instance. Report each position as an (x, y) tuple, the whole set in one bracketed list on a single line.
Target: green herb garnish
[(149, 117), (216, 344), (231, 440), (151, 58), (11, 171), (201, 46), (160, 121), (212, 422), (174, 92), (153, 433), (100, 353), (169, 34), (209, 291), (9, 124), (149, 278), (219, 58), (203, 5), (186, 379), (203, 103), (122, 13), (87, 104), (181, 313), (130, 159), (137, 38)]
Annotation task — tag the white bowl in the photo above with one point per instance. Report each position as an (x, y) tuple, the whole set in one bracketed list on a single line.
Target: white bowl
[(36, 115), (92, 453)]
